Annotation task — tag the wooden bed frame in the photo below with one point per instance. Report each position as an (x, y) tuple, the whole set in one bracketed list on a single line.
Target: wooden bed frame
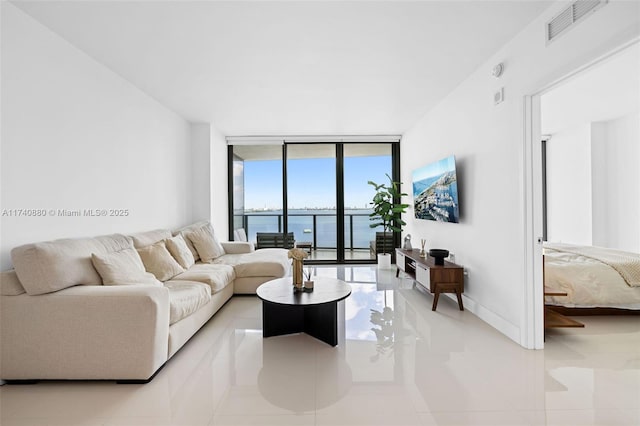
[(591, 311), (556, 316)]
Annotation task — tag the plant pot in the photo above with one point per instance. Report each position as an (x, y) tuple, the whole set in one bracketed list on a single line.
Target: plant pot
[(384, 261)]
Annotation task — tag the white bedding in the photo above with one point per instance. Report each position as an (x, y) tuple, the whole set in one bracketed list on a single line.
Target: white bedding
[(588, 283)]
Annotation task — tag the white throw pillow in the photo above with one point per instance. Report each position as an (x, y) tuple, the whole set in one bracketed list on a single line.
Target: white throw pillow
[(206, 243), (240, 234), (122, 267), (178, 248), (157, 260)]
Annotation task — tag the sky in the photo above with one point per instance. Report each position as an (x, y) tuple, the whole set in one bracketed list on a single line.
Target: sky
[(312, 182), (434, 169)]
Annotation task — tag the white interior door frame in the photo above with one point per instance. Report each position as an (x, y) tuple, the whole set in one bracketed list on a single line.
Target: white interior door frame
[(532, 333), (532, 330)]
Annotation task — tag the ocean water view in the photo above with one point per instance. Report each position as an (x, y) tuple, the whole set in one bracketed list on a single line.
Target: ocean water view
[(358, 234)]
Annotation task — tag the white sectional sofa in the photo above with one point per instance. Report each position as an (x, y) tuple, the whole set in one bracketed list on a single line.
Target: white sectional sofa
[(116, 307)]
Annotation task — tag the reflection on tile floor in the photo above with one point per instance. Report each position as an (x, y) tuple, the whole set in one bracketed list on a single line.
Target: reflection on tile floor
[(400, 364)]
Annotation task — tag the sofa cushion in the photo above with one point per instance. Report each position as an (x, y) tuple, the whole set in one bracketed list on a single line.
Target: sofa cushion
[(217, 276), (240, 235), (178, 248), (157, 260), (185, 230), (143, 239), (237, 247), (272, 262), (206, 243), (10, 284), (123, 267), (53, 265), (185, 298)]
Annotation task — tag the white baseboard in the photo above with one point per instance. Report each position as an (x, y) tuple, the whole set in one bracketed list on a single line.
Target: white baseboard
[(495, 321)]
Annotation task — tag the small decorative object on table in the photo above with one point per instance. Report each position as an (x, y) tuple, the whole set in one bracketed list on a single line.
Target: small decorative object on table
[(422, 252), (407, 242), (308, 284), (298, 255), (438, 255)]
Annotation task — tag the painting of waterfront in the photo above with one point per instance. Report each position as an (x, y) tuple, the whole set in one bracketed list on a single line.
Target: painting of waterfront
[(435, 191)]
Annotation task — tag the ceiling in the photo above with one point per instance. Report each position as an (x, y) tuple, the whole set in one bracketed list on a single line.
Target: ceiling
[(291, 67)]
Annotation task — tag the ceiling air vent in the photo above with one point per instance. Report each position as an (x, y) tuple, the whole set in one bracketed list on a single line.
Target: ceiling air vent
[(570, 16)]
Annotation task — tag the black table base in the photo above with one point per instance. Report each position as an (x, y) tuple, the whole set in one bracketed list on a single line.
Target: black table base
[(320, 321)]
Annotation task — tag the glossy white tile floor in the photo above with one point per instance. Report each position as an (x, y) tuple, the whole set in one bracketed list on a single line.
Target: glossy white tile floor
[(422, 368)]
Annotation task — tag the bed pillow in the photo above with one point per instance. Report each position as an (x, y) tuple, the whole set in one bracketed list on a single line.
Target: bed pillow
[(206, 243), (180, 251), (122, 267), (157, 260)]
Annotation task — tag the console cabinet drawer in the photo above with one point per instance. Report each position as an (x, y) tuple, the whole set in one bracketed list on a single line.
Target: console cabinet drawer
[(423, 275), (400, 261)]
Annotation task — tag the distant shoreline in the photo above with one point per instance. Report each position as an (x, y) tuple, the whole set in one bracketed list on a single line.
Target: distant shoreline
[(305, 209)]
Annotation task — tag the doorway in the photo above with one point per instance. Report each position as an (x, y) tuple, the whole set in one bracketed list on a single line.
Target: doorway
[(568, 197)]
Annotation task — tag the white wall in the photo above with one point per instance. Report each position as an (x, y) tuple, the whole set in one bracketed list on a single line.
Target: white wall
[(209, 177), (200, 170), (77, 136), (488, 143), (593, 103), (616, 183), (219, 186), (569, 186)]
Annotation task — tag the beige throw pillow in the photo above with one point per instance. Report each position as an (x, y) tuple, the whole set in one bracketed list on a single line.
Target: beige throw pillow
[(157, 260), (122, 267), (193, 250), (178, 248), (206, 243)]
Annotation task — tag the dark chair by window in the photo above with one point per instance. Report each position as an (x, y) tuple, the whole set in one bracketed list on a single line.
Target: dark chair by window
[(275, 240)]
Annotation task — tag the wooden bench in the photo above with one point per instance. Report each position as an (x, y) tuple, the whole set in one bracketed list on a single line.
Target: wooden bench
[(274, 240)]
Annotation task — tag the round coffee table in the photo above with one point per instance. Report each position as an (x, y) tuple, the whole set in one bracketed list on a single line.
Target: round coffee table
[(319, 313)]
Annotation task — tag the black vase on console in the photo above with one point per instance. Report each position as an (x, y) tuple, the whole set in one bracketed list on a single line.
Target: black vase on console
[(438, 255)]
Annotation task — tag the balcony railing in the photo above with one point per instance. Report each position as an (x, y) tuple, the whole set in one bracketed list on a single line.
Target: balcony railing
[(317, 228)]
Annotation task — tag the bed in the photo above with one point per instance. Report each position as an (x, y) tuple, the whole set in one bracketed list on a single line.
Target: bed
[(591, 277)]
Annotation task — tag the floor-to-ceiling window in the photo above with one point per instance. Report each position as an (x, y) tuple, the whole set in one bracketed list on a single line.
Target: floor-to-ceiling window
[(317, 191), (257, 189), (311, 197), (362, 163)]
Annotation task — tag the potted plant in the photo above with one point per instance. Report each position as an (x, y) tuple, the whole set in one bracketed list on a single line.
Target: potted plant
[(387, 212)]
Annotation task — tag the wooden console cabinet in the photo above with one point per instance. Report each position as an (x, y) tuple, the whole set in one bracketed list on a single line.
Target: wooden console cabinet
[(448, 278)]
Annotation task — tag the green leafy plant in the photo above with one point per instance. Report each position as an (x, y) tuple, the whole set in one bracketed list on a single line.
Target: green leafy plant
[(386, 211)]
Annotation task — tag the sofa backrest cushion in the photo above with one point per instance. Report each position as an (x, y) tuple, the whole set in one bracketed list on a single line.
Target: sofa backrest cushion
[(123, 267), (240, 235), (54, 265), (206, 242), (185, 230), (157, 260), (143, 239), (10, 284), (178, 248)]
